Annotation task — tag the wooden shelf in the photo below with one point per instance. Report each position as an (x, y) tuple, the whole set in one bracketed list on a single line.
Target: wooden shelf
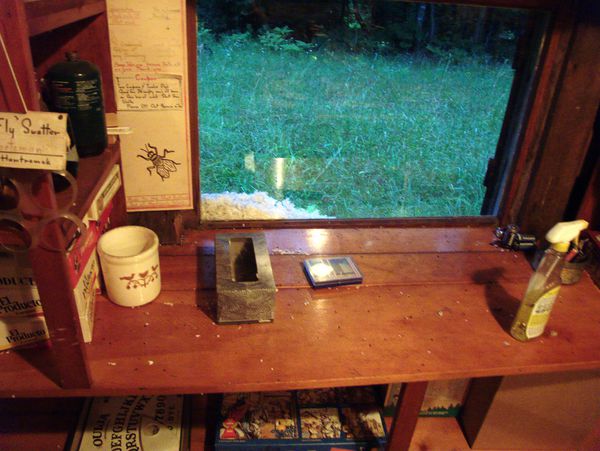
[(47, 15), (48, 424), (439, 313)]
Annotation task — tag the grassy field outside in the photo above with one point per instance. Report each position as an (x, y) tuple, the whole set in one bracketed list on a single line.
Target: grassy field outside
[(353, 135)]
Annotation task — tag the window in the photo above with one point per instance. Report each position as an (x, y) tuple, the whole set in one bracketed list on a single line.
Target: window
[(351, 109)]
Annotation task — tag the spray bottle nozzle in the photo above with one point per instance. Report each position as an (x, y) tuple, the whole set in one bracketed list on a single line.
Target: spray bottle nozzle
[(563, 233)]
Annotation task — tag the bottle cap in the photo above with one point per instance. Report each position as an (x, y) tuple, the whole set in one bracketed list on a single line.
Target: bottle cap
[(563, 233)]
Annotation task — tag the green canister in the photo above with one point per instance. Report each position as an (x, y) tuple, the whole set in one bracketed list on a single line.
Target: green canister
[(75, 87)]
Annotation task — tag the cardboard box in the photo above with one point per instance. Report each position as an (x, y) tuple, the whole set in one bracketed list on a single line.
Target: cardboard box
[(85, 291), (324, 419), (442, 398), (85, 271), (21, 331), (18, 291), (21, 317), (105, 195)]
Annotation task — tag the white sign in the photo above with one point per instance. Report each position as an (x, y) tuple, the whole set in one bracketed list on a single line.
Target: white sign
[(149, 58), (149, 92), (35, 140)]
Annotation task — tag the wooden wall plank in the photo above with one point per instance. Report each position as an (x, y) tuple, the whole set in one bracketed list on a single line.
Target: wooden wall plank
[(561, 121), (46, 15), (89, 37), (14, 29), (323, 241), (198, 272)]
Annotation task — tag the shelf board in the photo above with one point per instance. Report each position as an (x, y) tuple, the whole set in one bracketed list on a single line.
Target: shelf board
[(417, 316), (47, 15)]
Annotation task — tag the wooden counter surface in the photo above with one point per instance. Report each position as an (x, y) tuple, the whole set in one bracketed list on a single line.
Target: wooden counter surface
[(435, 304)]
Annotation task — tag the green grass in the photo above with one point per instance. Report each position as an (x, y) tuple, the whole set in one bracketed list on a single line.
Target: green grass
[(361, 136)]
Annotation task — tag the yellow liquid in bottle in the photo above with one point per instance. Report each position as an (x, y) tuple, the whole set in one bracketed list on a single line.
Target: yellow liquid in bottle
[(534, 311)]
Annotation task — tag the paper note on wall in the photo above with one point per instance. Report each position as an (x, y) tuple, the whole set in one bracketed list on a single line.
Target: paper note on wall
[(149, 58), (35, 140), (150, 92)]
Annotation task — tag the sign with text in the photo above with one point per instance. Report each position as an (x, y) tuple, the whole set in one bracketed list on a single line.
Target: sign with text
[(34, 140), (150, 71), (149, 92)]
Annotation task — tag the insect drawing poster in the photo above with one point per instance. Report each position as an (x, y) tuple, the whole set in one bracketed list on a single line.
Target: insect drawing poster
[(149, 59)]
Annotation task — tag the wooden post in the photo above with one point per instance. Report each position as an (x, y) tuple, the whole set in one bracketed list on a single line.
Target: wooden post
[(406, 415), (56, 293)]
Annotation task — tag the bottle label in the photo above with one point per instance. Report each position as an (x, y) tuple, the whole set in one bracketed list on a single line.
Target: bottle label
[(79, 95), (540, 313)]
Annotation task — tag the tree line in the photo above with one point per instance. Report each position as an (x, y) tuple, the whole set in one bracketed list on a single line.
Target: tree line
[(385, 26)]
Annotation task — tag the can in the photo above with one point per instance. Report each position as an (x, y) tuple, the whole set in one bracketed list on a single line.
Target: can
[(75, 88)]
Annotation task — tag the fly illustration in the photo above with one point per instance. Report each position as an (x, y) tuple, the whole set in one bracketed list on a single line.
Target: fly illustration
[(162, 165)]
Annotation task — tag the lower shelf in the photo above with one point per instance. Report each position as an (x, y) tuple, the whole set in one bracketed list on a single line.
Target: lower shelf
[(47, 424)]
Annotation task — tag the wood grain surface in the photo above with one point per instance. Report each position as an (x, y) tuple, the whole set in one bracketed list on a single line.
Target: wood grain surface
[(416, 317)]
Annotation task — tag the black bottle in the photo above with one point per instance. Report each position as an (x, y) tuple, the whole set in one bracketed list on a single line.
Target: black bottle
[(75, 87)]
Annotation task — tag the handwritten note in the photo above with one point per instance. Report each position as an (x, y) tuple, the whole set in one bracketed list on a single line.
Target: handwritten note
[(149, 92), (149, 58), (35, 140), (146, 35)]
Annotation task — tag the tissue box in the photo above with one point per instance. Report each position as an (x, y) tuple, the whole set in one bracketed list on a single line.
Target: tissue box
[(245, 284)]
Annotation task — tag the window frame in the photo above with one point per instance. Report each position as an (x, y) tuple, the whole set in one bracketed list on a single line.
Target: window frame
[(556, 86)]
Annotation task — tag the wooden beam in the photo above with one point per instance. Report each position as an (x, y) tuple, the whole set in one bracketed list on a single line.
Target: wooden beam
[(406, 416), (14, 30), (47, 15), (559, 130)]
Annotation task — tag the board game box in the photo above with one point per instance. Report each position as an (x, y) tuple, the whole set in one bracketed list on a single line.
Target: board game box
[(334, 419), (142, 423)]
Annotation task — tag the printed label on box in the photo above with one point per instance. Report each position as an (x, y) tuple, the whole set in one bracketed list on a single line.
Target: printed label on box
[(19, 302), (20, 331), (85, 296), (18, 291)]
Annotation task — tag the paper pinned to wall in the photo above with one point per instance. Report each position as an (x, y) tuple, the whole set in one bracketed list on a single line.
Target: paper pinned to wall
[(158, 161), (149, 58), (150, 92), (34, 140)]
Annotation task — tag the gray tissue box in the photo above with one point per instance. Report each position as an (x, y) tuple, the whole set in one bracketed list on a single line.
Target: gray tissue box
[(245, 284)]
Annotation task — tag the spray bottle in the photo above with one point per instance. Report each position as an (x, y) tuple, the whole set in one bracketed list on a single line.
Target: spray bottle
[(544, 285)]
